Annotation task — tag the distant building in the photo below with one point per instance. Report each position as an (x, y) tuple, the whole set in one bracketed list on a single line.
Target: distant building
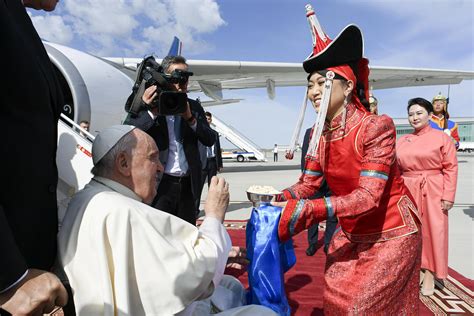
[(465, 127)]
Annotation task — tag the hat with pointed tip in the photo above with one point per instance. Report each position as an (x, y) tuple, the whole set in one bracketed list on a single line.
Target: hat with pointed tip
[(439, 96), (343, 55), (347, 48)]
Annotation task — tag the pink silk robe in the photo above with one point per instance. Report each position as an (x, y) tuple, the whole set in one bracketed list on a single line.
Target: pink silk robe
[(427, 159)]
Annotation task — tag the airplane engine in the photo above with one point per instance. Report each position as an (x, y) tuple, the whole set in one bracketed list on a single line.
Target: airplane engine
[(94, 89)]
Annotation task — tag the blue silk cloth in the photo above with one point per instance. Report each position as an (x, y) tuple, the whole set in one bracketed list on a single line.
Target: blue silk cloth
[(269, 260)]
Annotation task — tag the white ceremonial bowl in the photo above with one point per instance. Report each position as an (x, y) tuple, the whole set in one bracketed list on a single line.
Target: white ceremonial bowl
[(257, 198)]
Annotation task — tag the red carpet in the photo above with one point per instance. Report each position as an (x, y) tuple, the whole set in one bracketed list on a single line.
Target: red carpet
[(304, 283), (453, 296)]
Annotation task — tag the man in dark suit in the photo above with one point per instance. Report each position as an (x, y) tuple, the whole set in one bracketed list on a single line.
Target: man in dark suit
[(324, 191), (30, 105), (211, 160), (177, 139)]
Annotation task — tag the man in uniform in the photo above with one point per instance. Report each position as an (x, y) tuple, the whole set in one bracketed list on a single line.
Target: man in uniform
[(440, 118), (373, 103)]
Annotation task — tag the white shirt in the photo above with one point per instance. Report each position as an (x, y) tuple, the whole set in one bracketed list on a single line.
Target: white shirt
[(175, 151), (123, 257), (211, 151)]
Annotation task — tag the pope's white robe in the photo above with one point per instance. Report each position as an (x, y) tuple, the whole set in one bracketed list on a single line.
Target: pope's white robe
[(123, 257)]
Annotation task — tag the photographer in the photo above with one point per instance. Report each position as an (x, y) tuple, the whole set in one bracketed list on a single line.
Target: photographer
[(177, 138)]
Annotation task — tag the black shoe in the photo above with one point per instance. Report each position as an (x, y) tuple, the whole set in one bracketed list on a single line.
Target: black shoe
[(326, 247), (311, 250)]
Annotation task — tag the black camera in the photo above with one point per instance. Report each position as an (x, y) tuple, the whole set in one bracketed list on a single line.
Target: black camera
[(169, 102)]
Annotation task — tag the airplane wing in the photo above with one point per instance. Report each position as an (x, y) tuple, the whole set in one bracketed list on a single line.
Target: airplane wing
[(213, 76), (390, 77)]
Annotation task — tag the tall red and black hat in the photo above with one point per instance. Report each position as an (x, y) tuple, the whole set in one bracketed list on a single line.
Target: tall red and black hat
[(343, 54)]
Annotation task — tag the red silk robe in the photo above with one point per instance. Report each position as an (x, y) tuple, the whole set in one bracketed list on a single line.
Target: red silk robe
[(379, 221)]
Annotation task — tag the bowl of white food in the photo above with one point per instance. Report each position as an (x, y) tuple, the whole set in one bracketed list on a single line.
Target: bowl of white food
[(258, 194)]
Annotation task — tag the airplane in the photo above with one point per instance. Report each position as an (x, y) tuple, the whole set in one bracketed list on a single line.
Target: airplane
[(96, 88)]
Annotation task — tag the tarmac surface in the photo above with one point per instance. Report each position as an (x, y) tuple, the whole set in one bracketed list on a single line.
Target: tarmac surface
[(284, 173)]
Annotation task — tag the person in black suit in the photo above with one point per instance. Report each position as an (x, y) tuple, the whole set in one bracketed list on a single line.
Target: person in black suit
[(211, 161), (324, 191), (177, 139), (30, 105)]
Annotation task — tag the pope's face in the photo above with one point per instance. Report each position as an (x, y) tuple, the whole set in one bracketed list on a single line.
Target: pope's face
[(418, 116), (145, 168)]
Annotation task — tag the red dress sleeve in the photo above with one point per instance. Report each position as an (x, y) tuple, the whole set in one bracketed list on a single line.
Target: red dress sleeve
[(308, 184), (379, 138)]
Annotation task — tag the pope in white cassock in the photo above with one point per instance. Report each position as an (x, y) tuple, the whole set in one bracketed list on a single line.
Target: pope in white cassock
[(123, 257)]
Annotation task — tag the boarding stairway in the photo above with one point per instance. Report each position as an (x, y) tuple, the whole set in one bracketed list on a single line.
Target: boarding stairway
[(236, 138), (74, 161)]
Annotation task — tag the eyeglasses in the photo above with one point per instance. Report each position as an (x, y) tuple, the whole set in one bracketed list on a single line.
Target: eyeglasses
[(179, 76)]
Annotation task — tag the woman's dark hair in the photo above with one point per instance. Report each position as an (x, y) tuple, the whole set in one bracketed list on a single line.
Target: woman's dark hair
[(361, 95), (360, 91), (421, 102)]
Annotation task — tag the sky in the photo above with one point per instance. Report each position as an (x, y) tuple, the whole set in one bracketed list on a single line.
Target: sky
[(434, 34)]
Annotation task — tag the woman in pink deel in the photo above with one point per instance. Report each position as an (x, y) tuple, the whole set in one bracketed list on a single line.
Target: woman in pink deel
[(429, 166)]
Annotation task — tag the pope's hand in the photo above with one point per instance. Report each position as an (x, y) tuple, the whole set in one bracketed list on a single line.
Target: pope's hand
[(217, 198)]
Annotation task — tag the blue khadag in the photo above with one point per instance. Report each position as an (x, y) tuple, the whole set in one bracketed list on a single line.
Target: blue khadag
[(269, 259)]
